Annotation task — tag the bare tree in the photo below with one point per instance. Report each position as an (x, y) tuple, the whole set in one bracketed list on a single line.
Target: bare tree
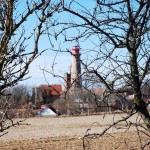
[(120, 57), (20, 95), (16, 31)]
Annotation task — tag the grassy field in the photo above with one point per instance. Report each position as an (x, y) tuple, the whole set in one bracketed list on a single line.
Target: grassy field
[(66, 133)]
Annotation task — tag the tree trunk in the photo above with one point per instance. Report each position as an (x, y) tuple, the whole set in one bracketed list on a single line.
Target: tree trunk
[(141, 108)]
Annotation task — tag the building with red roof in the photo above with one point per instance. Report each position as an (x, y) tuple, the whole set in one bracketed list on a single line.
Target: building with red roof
[(46, 94)]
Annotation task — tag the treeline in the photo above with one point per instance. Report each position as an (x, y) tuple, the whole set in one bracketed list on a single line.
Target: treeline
[(16, 96)]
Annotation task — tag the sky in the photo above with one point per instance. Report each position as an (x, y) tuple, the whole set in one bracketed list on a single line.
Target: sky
[(62, 61), (46, 60), (36, 77)]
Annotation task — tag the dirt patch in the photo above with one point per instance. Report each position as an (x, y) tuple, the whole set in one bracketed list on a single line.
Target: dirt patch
[(67, 134), (116, 141)]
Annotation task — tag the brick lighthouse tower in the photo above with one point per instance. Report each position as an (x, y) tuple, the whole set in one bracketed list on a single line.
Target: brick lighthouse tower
[(76, 82), (73, 82)]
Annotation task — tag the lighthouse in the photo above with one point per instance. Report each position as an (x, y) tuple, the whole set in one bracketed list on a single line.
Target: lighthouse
[(73, 82), (76, 82)]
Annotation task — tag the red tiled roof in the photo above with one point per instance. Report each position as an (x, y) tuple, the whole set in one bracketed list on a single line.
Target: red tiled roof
[(98, 91), (55, 89)]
